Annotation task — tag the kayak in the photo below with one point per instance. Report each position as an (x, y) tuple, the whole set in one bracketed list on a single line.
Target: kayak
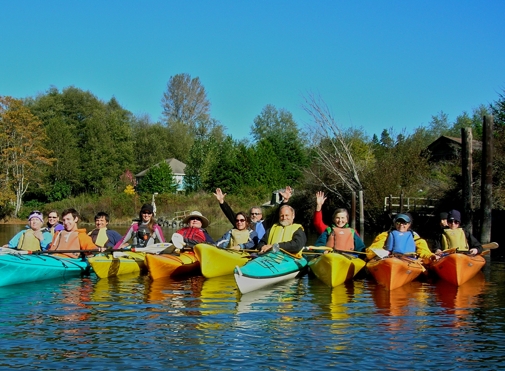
[(336, 268), (216, 262), (267, 270), (171, 265), (393, 271), (458, 268), (118, 263), (22, 268)]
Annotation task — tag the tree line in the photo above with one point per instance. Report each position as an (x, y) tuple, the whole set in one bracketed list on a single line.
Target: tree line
[(63, 144)]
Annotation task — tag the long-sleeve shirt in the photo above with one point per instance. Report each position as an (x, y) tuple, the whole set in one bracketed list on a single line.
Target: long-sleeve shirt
[(44, 244), (294, 246)]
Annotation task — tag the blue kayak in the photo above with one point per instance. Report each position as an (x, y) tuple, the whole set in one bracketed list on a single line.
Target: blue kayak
[(267, 270), (22, 268)]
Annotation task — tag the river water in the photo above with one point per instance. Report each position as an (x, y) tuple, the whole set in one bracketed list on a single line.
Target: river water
[(132, 322)]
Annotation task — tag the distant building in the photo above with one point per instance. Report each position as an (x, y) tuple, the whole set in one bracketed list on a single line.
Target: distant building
[(177, 169), (449, 148)]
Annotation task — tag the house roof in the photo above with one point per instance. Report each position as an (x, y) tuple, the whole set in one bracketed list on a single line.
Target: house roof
[(476, 144), (176, 166)]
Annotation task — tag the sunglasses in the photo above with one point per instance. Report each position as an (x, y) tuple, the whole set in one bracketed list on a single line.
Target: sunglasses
[(239, 220), (147, 212), (52, 217), (35, 213), (190, 219), (402, 222), (453, 221), (255, 213)]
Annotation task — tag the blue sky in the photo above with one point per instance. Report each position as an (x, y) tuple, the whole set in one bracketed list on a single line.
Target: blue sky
[(377, 64)]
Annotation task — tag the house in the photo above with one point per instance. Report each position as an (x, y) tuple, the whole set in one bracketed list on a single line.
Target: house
[(177, 169), (449, 148)]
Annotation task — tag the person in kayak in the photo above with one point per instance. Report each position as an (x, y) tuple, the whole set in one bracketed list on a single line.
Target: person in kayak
[(194, 232), (285, 235), (401, 239), (255, 213), (144, 232), (102, 236), (71, 238), (53, 222), (240, 237), (457, 237), (339, 236), (34, 237)]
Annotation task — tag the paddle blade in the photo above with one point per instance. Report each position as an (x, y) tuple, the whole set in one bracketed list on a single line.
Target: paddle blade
[(381, 253), (178, 240)]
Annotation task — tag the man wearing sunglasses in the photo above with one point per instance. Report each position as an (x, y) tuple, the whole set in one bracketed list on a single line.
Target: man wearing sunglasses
[(34, 238), (256, 214), (457, 237)]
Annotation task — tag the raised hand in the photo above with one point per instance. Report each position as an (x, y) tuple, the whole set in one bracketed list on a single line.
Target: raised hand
[(320, 198), (219, 195), (286, 194)]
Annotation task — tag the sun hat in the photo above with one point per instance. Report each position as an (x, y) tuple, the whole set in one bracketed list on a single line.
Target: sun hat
[(454, 215), (198, 215), (404, 217), (36, 214), (147, 207)]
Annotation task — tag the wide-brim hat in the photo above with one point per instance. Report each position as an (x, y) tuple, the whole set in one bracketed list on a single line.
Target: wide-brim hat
[(197, 214)]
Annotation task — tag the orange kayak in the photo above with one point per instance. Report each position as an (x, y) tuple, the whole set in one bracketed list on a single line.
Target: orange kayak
[(167, 265), (393, 272), (458, 268)]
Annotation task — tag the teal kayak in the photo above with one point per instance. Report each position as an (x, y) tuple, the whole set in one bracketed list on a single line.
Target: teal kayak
[(267, 270), (22, 268)]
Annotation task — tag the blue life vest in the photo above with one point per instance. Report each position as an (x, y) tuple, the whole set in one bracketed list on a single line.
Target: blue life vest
[(401, 242)]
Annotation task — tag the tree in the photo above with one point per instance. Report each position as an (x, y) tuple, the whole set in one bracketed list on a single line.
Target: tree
[(278, 128), (185, 101), (159, 178), (22, 151)]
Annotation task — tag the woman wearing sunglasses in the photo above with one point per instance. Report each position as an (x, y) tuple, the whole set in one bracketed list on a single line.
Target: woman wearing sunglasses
[(34, 238), (457, 237), (194, 232), (53, 222), (240, 237), (145, 232), (400, 239)]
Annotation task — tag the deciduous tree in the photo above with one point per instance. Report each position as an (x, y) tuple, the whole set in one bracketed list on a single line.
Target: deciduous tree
[(22, 152)]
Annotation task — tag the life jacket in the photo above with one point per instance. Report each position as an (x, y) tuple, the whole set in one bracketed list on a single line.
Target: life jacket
[(239, 237), (454, 238), (142, 234), (28, 241), (279, 233), (401, 242), (341, 238), (65, 240), (99, 236), (192, 236)]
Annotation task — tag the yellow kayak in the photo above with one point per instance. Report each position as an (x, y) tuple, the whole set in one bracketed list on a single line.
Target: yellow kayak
[(215, 262), (336, 268), (118, 263)]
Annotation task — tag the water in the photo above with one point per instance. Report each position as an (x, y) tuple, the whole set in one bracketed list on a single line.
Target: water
[(132, 322)]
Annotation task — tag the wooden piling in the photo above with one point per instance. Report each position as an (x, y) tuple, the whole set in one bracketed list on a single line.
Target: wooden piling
[(466, 169), (486, 202)]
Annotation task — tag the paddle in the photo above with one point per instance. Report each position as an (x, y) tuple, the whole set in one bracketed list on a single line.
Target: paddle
[(490, 246), (40, 252), (326, 248)]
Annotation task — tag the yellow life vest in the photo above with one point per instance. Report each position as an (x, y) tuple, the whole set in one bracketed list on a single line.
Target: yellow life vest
[(454, 238), (28, 241), (239, 237), (279, 233), (67, 241), (341, 239), (99, 236)]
